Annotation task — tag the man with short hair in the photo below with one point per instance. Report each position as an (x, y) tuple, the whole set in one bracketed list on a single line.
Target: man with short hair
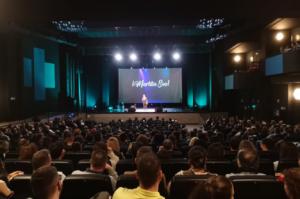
[(98, 165), (149, 174), (43, 158), (247, 162), (45, 183), (197, 161)]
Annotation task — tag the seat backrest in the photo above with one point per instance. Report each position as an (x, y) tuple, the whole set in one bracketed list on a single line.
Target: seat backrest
[(83, 164), (65, 166), (220, 167), (125, 165), (21, 186), (13, 155), (182, 186), (76, 156), (172, 166), (14, 165), (132, 182), (286, 164), (266, 167), (85, 186), (256, 186)]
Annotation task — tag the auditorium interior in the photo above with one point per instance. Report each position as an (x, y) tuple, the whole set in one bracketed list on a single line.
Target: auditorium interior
[(130, 100)]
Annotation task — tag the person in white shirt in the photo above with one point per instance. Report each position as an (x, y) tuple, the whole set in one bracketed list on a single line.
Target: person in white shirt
[(99, 165)]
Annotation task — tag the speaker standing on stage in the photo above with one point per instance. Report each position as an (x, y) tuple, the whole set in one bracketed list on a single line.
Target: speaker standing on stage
[(145, 101)]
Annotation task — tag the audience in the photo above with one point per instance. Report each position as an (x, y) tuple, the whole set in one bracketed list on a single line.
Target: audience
[(149, 175), (46, 183), (217, 139)]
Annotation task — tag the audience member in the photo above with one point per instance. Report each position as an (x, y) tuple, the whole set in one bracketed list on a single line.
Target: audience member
[(46, 183), (292, 183), (149, 175), (99, 165)]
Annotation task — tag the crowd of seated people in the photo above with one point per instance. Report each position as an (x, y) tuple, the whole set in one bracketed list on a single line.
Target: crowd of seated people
[(244, 142)]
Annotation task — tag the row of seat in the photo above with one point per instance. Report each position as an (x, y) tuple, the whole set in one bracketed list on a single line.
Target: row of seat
[(169, 167), (85, 186), (76, 156)]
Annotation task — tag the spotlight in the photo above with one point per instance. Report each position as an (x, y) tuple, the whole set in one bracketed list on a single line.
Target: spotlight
[(297, 37), (118, 57), (237, 58), (296, 94), (279, 36), (133, 57), (157, 56), (251, 59), (176, 56)]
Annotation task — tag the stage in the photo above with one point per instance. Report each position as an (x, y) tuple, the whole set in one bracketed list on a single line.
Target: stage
[(192, 118)]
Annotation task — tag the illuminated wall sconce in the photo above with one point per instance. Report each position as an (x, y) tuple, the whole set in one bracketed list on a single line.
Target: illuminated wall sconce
[(296, 94), (237, 58), (279, 36)]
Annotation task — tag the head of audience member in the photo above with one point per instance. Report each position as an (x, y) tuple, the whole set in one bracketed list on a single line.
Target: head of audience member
[(215, 151), (141, 151), (267, 144), (114, 144), (4, 148), (41, 158), (149, 171), (292, 182), (197, 158), (194, 142), (288, 151), (246, 145), (98, 161), (26, 151), (168, 145), (45, 183), (100, 146), (216, 187), (57, 151), (247, 160)]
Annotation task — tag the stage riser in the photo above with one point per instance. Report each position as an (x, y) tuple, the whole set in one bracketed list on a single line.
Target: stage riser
[(183, 118)]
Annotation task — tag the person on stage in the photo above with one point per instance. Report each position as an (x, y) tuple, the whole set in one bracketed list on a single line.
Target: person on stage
[(145, 101)]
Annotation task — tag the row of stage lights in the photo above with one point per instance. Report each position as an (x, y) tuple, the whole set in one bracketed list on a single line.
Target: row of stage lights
[(157, 56)]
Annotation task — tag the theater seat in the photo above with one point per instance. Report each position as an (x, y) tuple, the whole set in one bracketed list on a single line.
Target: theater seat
[(125, 165), (65, 166), (172, 166), (21, 186), (131, 182), (76, 156), (14, 165), (266, 167), (182, 186), (85, 186), (286, 164), (12, 155), (220, 167), (83, 164), (258, 187)]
